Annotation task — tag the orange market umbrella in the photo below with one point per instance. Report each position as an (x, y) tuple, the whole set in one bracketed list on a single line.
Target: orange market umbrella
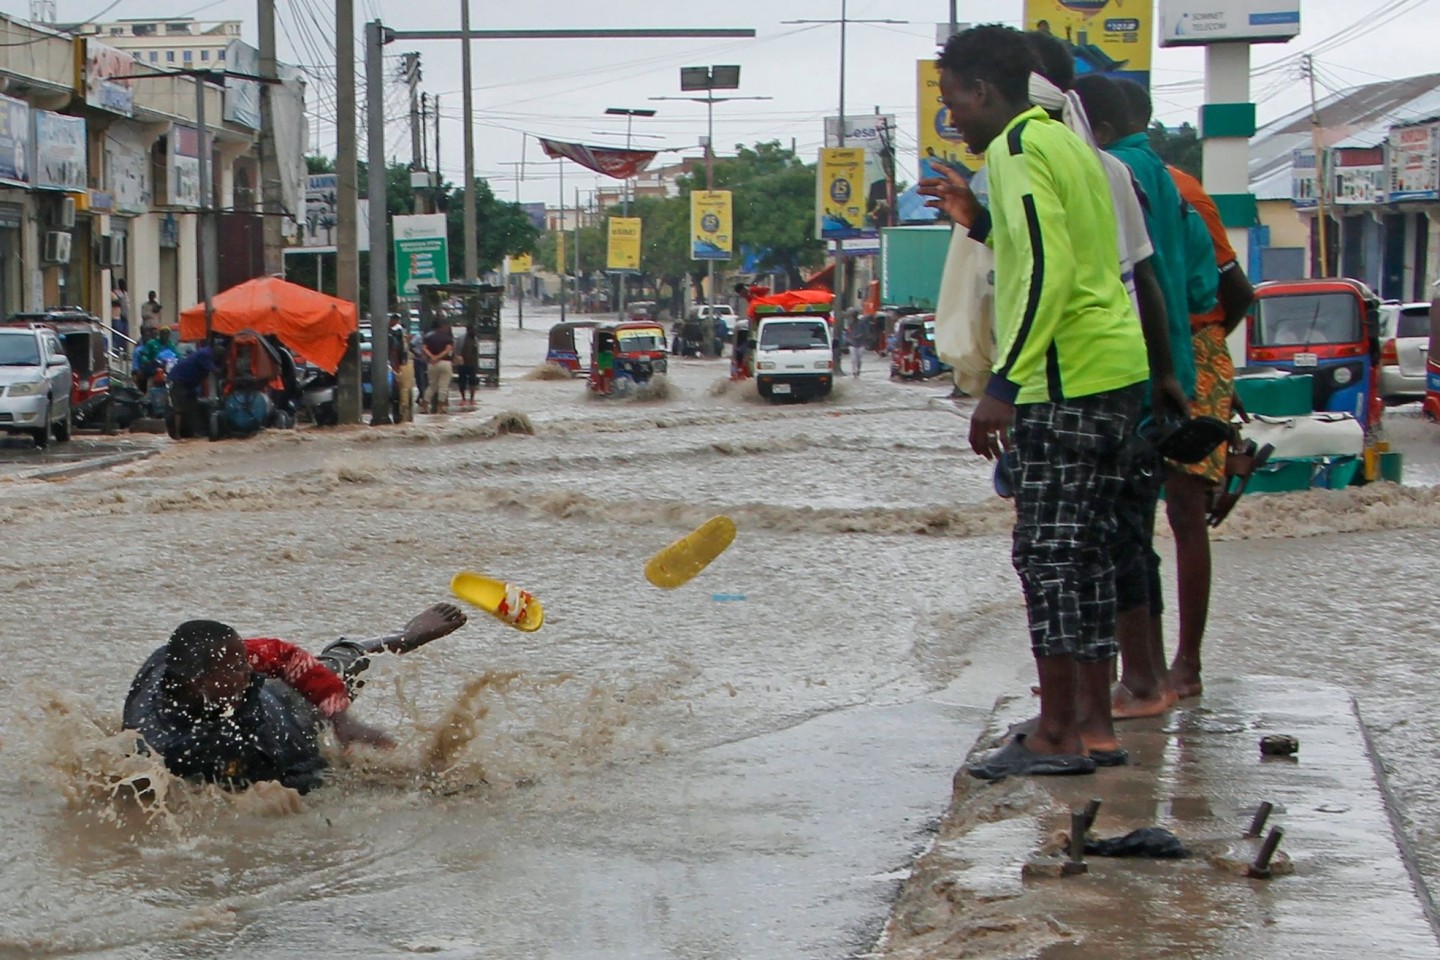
[(312, 324)]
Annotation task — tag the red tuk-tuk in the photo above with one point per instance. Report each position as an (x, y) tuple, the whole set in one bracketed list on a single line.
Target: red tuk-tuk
[(625, 354), (912, 354), (1328, 329)]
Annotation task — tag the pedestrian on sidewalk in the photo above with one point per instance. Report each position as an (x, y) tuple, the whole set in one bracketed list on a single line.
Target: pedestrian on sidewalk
[(467, 372), (857, 335), (439, 348)]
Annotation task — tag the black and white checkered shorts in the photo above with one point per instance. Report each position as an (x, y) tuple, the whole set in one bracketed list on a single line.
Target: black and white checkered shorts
[(1067, 481)]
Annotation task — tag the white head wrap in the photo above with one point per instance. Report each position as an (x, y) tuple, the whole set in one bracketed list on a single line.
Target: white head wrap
[(1047, 96)]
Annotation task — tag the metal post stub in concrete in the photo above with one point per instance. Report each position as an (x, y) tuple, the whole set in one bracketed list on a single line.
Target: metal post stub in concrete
[(1344, 890)]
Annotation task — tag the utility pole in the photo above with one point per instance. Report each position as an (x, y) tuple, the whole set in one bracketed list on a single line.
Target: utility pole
[(379, 263), (272, 203), (559, 243), (622, 280), (1322, 217), (472, 240), (349, 399), (710, 79), (437, 154), (954, 21), (577, 248), (842, 279), (410, 74)]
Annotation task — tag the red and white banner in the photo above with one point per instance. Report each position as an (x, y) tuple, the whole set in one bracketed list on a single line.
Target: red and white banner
[(620, 164)]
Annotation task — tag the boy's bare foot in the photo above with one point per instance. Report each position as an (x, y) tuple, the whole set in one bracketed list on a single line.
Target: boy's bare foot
[(434, 622), (1125, 705), (1185, 680)]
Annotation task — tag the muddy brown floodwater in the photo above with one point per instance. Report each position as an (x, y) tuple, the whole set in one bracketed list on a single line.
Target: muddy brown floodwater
[(654, 774)]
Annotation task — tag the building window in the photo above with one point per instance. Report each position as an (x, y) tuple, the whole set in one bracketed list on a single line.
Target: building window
[(173, 29), (204, 54), (117, 31), (220, 55), (154, 56), (169, 56), (187, 56)]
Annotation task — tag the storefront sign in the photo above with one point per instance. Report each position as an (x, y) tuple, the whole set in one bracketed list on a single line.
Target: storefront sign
[(1113, 37), (60, 152), (108, 80), (14, 141), (422, 252), (940, 145), (875, 134), (1358, 175), (1304, 184), (127, 172), (1200, 22), (623, 250), (242, 97), (712, 235), (840, 193), (1414, 162), (184, 166)]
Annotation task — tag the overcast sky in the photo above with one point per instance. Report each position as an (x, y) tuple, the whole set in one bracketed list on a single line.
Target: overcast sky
[(561, 88)]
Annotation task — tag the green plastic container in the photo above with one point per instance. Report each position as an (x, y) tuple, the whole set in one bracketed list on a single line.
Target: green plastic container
[(1276, 396), (1282, 476), (1392, 466)]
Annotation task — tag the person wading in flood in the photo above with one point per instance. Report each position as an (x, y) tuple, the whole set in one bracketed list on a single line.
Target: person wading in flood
[(233, 711), (1068, 379)]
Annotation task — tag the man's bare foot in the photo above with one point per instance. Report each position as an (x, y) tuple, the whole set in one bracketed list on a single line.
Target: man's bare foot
[(1094, 740), (434, 622), (1185, 680), (1125, 705)]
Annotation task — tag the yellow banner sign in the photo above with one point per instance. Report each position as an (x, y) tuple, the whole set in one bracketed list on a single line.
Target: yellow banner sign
[(940, 145), (1106, 36), (521, 263), (711, 225), (560, 251), (840, 193), (623, 250)]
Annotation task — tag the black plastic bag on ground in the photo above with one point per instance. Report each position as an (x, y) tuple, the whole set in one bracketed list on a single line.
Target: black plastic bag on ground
[(1155, 843)]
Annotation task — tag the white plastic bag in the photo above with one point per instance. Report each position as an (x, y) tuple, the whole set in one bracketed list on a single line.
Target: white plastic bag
[(965, 312)]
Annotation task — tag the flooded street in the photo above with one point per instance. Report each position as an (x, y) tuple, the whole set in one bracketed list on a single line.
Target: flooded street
[(654, 774)]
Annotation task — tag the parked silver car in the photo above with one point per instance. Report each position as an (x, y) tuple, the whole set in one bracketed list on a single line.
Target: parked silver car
[(34, 383), (1404, 343)]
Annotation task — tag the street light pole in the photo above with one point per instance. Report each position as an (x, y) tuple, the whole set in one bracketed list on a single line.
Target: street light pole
[(471, 229)]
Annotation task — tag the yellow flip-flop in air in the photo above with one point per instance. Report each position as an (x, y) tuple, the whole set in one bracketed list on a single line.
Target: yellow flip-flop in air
[(503, 601), (686, 557)]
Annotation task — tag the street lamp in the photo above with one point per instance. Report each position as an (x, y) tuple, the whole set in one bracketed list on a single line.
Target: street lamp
[(629, 113), (710, 79)]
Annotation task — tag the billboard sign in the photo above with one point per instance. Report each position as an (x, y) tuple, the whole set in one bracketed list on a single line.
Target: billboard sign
[(322, 223), (1200, 22), (60, 160), (840, 193), (184, 166), (1358, 176), (1112, 37), (535, 213), (108, 79), (1414, 162), (422, 252), (940, 145), (712, 234), (1304, 183), (127, 171), (520, 263), (14, 141), (875, 134), (242, 97)]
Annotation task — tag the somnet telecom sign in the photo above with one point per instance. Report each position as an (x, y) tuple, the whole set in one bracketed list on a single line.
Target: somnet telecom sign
[(1198, 22), (422, 252)]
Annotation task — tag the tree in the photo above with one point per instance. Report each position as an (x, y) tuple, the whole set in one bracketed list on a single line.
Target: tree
[(1179, 148)]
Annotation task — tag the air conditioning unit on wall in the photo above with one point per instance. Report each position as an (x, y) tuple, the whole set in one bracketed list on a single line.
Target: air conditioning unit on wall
[(65, 213), (112, 251), (56, 248)]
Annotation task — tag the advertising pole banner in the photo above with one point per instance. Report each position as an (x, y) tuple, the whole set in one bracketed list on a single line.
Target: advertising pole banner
[(560, 252), (940, 145), (60, 156), (520, 263), (875, 133), (840, 193), (14, 141), (623, 251), (422, 252), (1103, 37), (711, 225)]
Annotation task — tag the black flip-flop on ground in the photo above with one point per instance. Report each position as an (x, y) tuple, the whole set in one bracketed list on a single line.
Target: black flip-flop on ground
[(1017, 760), (1110, 758)]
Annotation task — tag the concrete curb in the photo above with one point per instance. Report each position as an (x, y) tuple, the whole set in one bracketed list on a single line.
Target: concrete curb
[(69, 470)]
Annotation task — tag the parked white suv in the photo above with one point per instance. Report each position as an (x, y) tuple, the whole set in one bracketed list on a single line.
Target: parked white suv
[(34, 383), (1404, 344)]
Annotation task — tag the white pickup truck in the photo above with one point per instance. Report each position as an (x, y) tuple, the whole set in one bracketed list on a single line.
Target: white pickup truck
[(794, 356)]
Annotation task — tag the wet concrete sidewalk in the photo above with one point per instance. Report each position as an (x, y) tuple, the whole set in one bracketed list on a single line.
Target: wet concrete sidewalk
[(1198, 772)]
